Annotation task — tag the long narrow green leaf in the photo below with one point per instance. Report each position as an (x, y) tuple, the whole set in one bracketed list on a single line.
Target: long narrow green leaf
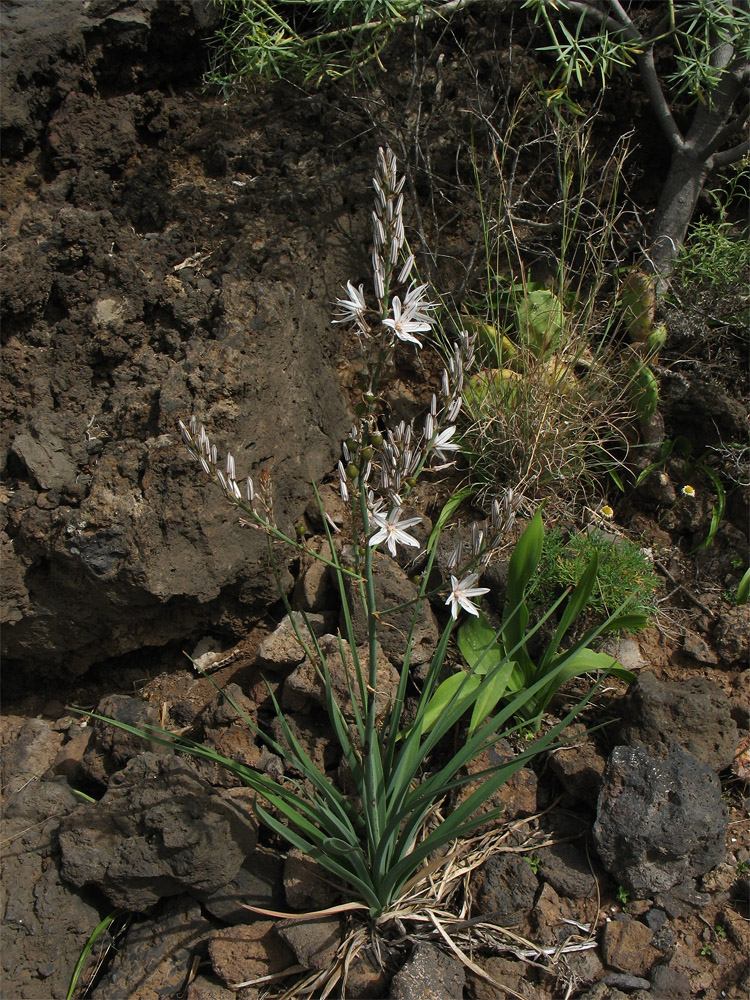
[(459, 821), (717, 511), (362, 886), (97, 932), (575, 604), (448, 510), (340, 809)]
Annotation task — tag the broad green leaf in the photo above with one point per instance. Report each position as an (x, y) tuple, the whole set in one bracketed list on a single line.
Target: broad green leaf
[(477, 641), (491, 690), (445, 694)]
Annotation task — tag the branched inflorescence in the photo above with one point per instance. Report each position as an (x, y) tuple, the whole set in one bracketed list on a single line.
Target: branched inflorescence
[(380, 464)]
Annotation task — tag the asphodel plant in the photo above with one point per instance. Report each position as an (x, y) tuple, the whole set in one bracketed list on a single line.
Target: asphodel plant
[(376, 841)]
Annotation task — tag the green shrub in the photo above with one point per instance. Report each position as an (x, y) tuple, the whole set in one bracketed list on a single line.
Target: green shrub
[(626, 577)]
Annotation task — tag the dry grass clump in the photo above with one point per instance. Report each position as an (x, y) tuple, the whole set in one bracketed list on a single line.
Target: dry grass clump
[(549, 410)]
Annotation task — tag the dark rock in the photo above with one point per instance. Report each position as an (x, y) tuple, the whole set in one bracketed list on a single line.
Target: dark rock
[(316, 737), (249, 951), (568, 870), (110, 748), (517, 796), (307, 884), (730, 635), (101, 313), (205, 988), (656, 918), (626, 946), (304, 689), (504, 972), (625, 981), (30, 755), (669, 984), (314, 942), (741, 700), (158, 831), (579, 767), (584, 965), (225, 730), (698, 649), (45, 923), (282, 649), (393, 588), (366, 977), (69, 760), (694, 713), (549, 915), (429, 974), (603, 991), (257, 883), (45, 460), (659, 821), (313, 590), (507, 889), (154, 957)]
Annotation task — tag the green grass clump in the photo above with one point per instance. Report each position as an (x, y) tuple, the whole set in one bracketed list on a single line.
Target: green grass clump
[(626, 576), (715, 255)]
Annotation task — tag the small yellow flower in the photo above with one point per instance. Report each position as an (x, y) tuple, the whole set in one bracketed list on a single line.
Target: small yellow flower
[(607, 512), (688, 491)]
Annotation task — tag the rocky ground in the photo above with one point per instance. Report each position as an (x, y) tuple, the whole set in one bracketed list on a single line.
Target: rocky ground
[(169, 251)]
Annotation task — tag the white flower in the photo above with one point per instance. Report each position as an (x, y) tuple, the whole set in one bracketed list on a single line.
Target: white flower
[(462, 591), (352, 309), (443, 443), (392, 529), (411, 317)]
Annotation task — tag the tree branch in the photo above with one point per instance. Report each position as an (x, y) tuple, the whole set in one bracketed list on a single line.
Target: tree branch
[(732, 155), (644, 61), (655, 94), (725, 133)]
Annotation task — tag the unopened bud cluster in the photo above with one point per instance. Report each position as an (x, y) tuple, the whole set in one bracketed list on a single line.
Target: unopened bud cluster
[(206, 454)]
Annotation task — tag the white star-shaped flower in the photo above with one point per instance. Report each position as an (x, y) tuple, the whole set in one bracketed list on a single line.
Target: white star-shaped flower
[(392, 529), (462, 591), (443, 443), (411, 317), (352, 309)]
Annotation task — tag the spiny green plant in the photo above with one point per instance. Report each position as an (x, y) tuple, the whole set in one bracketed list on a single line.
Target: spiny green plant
[(549, 406)]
